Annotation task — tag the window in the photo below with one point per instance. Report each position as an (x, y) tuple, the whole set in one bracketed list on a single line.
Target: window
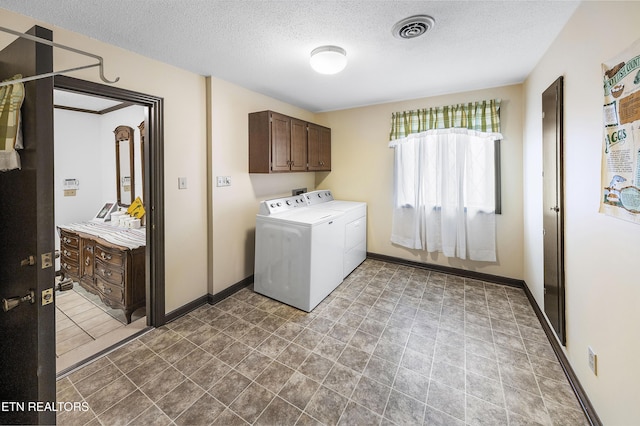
[(446, 185)]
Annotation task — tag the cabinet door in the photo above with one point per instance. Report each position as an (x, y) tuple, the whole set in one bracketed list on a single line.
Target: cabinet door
[(319, 142), (325, 148), (298, 145), (280, 142)]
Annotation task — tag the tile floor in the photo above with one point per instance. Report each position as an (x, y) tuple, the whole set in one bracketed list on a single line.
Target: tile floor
[(391, 345), (81, 318)]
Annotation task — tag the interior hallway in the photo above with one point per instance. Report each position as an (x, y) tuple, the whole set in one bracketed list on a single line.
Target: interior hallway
[(391, 345)]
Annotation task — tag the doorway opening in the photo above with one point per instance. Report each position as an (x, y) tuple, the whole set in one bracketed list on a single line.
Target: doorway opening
[(108, 304)]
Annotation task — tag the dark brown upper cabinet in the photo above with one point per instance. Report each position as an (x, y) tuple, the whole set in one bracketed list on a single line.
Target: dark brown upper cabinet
[(279, 143), (319, 148)]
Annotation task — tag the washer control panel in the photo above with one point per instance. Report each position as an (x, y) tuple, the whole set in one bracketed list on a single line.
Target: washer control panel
[(279, 205)]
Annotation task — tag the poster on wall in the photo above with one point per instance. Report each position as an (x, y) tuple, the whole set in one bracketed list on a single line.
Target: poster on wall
[(621, 137)]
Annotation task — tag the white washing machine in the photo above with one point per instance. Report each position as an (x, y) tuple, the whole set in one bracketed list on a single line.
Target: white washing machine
[(298, 257), (354, 222)]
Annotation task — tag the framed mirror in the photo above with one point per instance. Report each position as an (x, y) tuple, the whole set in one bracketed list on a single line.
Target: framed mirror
[(125, 165)]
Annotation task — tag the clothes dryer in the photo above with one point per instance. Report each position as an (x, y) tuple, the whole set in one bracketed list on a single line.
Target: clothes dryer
[(354, 222)]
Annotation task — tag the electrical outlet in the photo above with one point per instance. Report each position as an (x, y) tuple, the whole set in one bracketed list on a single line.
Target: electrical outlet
[(593, 361)]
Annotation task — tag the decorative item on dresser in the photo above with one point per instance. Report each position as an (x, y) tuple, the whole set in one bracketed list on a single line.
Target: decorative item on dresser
[(106, 261)]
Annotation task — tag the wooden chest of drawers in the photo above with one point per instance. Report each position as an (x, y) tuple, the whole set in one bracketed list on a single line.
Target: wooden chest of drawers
[(115, 273)]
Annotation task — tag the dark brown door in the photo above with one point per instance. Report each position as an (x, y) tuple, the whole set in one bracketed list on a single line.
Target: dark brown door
[(552, 206), (27, 332)]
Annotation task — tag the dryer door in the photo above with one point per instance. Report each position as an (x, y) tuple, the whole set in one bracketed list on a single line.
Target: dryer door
[(355, 244)]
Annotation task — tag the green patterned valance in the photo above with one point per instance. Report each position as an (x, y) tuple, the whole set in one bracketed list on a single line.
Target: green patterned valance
[(482, 116)]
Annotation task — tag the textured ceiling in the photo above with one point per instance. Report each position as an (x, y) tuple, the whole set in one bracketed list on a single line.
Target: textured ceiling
[(264, 45)]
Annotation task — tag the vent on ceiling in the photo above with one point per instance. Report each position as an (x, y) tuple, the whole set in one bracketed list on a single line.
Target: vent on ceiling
[(413, 26)]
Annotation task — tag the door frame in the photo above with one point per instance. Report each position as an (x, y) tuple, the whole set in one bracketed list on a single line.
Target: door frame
[(153, 182)]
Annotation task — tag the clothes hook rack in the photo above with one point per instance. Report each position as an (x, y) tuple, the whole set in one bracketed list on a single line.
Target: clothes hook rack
[(100, 60)]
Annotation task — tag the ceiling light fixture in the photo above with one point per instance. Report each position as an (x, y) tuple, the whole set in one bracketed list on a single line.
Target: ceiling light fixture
[(328, 59)]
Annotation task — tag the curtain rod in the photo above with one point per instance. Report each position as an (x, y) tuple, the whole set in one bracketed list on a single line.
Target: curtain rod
[(100, 63)]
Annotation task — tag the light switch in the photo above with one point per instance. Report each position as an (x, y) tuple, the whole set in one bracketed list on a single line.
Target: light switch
[(182, 183)]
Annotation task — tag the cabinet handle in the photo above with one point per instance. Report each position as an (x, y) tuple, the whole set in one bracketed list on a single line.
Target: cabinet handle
[(65, 266), (105, 256), (87, 261), (66, 253), (66, 240)]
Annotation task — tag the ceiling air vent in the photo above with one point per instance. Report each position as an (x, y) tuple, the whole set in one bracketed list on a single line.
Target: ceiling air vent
[(413, 26)]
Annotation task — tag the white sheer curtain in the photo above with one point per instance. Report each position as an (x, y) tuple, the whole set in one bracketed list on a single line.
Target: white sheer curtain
[(445, 193)]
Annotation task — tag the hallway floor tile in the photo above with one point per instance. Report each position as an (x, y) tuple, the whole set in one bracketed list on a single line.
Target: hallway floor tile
[(391, 345)]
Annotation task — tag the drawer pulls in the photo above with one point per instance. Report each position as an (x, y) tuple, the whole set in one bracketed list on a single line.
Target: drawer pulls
[(105, 256), (66, 266), (66, 240), (106, 290), (66, 253), (87, 261), (105, 272)]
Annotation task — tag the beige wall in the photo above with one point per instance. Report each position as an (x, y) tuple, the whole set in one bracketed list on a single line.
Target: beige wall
[(184, 144), (234, 208), (362, 169), (601, 253)]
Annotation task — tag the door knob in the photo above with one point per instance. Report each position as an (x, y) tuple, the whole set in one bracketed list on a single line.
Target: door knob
[(8, 304)]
